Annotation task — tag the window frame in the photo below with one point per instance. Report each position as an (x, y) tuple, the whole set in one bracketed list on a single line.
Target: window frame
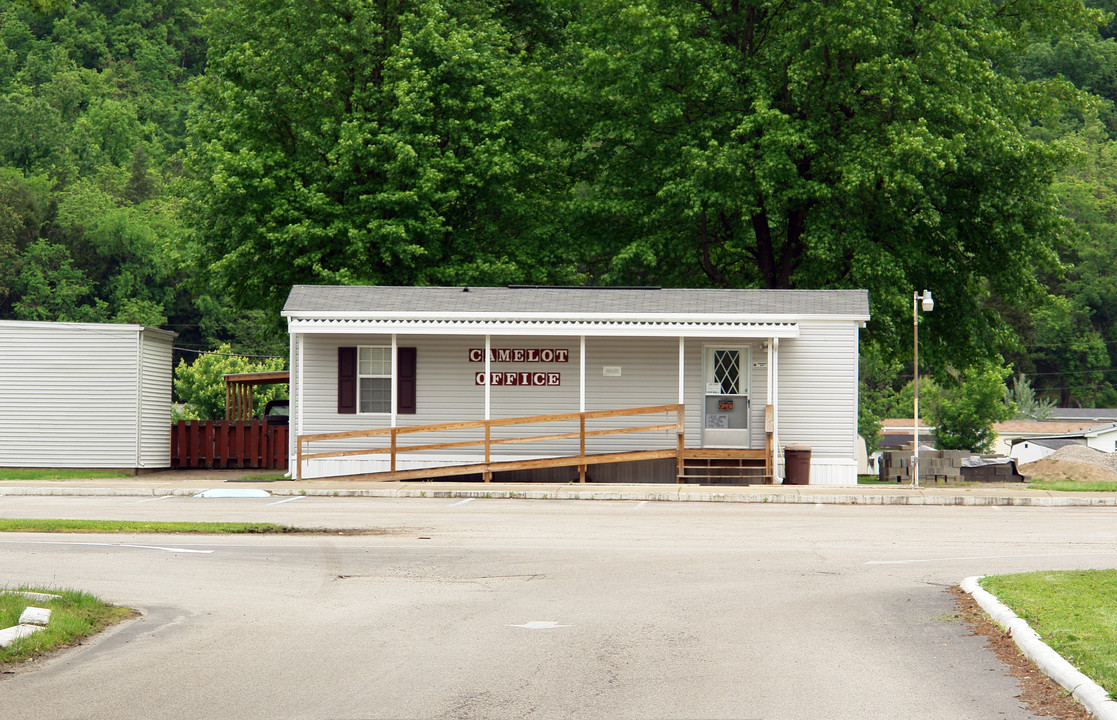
[(390, 377)]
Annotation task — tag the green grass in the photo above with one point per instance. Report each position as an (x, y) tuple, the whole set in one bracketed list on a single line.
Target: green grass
[(1073, 486), (1075, 612), (74, 616), (135, 526), (49, 474), (265, 477)]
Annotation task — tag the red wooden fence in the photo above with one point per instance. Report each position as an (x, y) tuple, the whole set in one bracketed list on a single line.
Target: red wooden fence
[(228, 444)]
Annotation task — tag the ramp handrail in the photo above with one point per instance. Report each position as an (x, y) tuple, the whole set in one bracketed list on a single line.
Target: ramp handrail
[(581, 460)]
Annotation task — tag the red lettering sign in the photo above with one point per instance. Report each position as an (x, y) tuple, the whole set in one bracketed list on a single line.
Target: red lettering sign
[(520, 355), (534, 379)]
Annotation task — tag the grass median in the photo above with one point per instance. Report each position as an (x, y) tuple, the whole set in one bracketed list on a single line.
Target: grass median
[(143, 527), (1075, 612), (1073, 485), (48, 475), (75, 615)]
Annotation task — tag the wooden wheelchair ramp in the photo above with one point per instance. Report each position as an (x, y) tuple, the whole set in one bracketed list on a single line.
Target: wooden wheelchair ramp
[(390, 444)]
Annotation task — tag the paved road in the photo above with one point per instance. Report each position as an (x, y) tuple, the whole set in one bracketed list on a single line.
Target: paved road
[(537, 609)]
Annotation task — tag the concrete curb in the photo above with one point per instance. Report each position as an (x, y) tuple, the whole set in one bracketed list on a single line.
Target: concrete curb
[(661, 493), (10, 635), (1084, 690), (31, 620)]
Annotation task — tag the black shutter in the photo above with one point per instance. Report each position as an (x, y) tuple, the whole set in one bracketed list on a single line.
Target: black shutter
[(347, 380), (406, 371)]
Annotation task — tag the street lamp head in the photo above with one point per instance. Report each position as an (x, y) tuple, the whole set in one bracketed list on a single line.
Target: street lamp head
[(928, 301)]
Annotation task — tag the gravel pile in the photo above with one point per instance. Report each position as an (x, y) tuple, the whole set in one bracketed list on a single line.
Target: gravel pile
[(1074, 462), (1081, 453)]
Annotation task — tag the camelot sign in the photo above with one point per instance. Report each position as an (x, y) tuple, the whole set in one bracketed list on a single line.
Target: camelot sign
[(520, 355), (519, 378)]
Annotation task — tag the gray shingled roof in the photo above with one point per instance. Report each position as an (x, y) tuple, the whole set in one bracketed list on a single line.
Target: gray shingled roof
[(1051, 443), (325, 300), (1095, 414)]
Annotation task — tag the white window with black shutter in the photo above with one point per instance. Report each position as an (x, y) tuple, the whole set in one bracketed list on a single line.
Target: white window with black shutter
[(364, 380), (374, 380)]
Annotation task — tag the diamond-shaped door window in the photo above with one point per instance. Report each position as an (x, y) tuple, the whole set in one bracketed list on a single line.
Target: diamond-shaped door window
[(727, 371)]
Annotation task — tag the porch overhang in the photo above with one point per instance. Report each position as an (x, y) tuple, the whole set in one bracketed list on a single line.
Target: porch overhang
[(504, 325)]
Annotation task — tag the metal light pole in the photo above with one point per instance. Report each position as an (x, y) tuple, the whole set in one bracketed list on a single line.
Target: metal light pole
[(928, 306)]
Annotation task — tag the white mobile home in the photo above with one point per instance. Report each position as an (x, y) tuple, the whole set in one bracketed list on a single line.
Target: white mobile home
[(84, 395), (720, 376)]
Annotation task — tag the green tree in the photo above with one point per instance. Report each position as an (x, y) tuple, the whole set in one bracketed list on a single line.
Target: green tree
[(350, 142), (1023, 403), (200, 386), (1088, 192), (963, 412), (22, 214), (92, 102), (51, 288), (855, 144), (876, 394)]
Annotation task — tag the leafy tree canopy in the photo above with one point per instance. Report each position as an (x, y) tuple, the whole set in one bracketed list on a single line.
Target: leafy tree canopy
[(200, 385), (964, 412), (876, 145), (350, 142)]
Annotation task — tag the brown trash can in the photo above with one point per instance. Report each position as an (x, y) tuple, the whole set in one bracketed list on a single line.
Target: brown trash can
[(797, 465)]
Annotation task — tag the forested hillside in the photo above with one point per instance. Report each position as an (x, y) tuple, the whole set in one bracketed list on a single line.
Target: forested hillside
[(181, 163), (93, 106)]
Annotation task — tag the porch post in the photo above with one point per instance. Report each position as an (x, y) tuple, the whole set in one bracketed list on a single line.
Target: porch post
[(680, 414), (682, 376), (770, 460), (395, 384), (299, 407), (292, 388), (775, 370), (582, 374), (487, 474)]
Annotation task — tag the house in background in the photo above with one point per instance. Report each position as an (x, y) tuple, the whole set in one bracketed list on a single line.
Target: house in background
[(1029, 451), (1042, 437), (1037, 445), (899, 433), (726, 375), (84, 395), (1097, 435)]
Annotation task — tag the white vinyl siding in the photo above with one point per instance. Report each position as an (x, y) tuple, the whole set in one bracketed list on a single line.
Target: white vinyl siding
[(446, 388), (156, 375), (84, 395), (631, 360), (818, 392), (447, 391)]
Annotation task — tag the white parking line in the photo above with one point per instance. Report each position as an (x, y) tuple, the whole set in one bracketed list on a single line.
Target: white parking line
[(117, 545), (167, 549), (460, 502), (280, 502), (161, 497)]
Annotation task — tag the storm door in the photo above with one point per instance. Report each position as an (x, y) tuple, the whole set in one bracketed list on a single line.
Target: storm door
[(725, 413)]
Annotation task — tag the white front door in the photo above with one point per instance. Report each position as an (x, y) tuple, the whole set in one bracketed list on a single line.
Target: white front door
[(725, 412)]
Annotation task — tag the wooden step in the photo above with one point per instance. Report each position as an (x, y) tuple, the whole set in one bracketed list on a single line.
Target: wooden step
[(724, 470)]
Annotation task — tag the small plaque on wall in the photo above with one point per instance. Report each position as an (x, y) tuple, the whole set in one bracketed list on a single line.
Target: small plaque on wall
[(611, 371)]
